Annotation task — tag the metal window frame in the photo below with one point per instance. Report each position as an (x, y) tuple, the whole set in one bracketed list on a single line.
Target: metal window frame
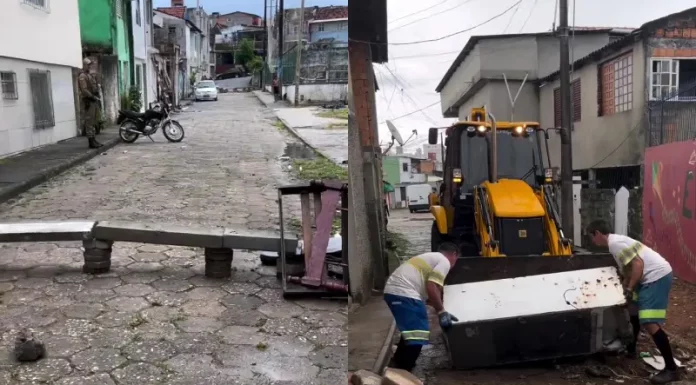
[(138, 16), (13, 81), (118, 8), (607, 88), (33, 3), (673, 88), (49, 123)]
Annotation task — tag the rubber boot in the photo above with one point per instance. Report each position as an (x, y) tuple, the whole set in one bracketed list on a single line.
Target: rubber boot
[(94, 144), (665, 376)]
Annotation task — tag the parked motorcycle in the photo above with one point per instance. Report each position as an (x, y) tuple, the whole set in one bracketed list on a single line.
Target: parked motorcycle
[(133, 124)]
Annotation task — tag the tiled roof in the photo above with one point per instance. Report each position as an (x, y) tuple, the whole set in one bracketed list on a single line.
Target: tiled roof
[(332, 12), (320, 13), (179, 12), (240, 12)]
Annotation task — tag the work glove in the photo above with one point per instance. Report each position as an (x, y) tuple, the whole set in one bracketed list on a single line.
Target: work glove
[(446, 320), (628, 294)]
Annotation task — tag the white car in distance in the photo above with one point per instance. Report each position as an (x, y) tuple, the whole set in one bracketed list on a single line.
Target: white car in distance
[(206, 90)]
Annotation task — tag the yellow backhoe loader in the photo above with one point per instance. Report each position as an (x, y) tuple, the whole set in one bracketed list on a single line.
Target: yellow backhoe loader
[(520, 290)]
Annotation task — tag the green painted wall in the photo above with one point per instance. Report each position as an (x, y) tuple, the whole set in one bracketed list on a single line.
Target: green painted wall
[(391, 169), (95, 25)]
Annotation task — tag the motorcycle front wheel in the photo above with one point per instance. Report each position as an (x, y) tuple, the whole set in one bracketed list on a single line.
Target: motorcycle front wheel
[(128, 137), (173, 131)]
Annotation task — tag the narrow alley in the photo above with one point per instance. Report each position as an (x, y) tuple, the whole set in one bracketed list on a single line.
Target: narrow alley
[(155, 318)]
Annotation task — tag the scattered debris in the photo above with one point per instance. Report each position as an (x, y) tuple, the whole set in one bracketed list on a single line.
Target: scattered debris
[(658, 362), (597, 372), (261, 346), (27, 348)]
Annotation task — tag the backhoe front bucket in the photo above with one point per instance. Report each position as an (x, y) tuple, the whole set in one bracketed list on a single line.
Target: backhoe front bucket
[(531, 308)]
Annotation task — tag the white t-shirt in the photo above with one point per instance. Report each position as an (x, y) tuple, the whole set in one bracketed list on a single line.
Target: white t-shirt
[(625, 249), (409, 279)]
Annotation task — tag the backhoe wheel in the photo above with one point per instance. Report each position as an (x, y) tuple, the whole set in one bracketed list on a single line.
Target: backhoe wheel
[(436, 238)]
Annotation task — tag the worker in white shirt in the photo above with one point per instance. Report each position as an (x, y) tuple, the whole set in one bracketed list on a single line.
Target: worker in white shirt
[(647, 280), (416, 281)]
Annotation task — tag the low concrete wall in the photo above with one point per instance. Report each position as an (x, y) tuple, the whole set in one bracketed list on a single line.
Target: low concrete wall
[(599, 204), (318, 93)]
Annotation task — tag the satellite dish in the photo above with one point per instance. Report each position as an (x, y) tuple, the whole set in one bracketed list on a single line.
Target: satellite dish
[(395, 133)]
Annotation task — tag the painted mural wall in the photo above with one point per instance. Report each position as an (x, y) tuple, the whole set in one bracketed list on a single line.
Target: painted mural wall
[(669, 205)]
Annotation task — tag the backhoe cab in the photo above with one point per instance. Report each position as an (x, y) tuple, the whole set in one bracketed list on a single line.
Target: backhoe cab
[(497, 198)]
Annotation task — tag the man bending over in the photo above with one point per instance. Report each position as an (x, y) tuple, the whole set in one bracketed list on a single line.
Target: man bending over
[(418, 280), (647, 281)]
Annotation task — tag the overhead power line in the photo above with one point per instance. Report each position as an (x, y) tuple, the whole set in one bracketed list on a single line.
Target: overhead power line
[(399, 81), (512, 17), (451, 34), (429, 16), (417, 12), (424, 55), (531, 11), (412, 112)]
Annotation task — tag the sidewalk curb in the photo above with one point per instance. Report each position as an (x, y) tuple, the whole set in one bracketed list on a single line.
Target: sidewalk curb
[(386, 351), (295, 133), (22, 187)]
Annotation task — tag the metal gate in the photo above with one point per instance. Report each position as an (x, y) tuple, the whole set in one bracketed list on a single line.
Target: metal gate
[(673, 118)]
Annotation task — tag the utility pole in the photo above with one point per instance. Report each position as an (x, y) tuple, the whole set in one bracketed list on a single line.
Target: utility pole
[(281, 31), (566, 123), (298, 62), (265, 44), (364, 168)]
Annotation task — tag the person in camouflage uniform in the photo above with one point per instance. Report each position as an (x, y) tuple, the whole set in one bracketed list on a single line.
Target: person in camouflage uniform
[(89, 102)]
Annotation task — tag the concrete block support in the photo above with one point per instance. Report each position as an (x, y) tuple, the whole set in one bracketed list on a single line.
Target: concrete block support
[(97, 256), (218, 262)]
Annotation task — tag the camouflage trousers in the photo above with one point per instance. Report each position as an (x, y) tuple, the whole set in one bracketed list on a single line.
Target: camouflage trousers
[(89, 118)]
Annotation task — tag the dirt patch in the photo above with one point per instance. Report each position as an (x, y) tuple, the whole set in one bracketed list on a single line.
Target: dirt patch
[(681, 315)]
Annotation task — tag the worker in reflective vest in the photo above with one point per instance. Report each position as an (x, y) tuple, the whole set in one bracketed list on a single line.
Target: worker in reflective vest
[(406, 292), (647, 280)]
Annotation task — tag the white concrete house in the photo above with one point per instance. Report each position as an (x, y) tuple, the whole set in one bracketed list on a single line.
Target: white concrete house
[(37, 106), (140, 48), (151, 21), (176, 30)]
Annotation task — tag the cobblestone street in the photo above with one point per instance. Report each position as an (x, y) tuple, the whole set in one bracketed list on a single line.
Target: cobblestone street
[(155, 318)]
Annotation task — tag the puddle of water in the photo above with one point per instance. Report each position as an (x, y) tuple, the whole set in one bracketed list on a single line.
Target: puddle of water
[(298, 151)]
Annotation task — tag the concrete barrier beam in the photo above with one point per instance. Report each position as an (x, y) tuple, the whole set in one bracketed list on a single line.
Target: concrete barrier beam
[(46, 231), (257, 240), (160, 234)]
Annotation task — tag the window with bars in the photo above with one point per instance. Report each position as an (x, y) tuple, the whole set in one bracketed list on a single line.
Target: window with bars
[(40, 4), (118, 8), (8, 80), (575, 104), (616, 87), (41, 98), (138, 20), (138, 75)]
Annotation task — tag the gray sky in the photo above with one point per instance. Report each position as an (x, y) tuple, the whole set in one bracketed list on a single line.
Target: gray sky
[(417, 69)]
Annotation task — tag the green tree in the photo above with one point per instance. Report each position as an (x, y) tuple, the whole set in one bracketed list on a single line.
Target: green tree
[(245, 53)]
